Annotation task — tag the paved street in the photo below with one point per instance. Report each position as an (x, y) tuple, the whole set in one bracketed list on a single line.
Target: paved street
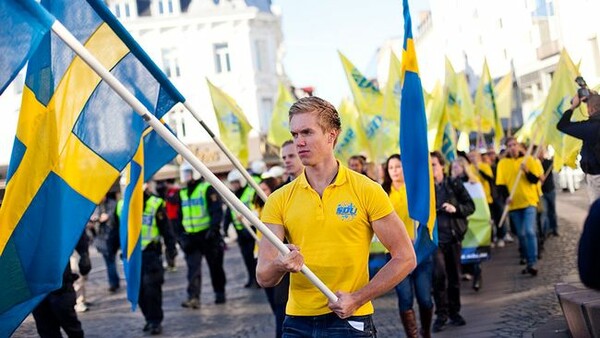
[(508, 305)]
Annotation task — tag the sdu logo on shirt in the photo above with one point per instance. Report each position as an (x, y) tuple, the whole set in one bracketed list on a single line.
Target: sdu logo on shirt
[(346, 211)]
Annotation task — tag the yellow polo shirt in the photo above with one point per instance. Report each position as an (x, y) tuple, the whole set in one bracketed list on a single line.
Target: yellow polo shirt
[(333, 232), (400, 204), (486, 169), (526, 193)]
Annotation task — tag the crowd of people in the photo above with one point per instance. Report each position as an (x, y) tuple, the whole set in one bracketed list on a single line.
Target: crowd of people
[(350, 225)]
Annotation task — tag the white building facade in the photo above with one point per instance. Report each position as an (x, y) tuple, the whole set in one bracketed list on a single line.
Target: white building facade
[(528, 33), (236, 44)]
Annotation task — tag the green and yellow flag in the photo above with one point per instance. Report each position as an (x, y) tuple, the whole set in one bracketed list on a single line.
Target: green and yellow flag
[(279, 129), (378, 116), (459, 104), (504, 91), (562, 89), (233, 125), (486, 113), (352, 139), (467, 108)]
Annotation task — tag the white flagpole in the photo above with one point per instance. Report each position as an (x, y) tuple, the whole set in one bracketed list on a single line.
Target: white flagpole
[(180, 147), (236, 163)]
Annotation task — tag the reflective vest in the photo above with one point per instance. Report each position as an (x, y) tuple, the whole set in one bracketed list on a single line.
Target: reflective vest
[(149, 231), (246, 198), (194, 209)]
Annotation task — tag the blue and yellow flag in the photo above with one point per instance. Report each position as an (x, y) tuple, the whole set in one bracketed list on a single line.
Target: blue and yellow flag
[(415, 151), (130, 225), (74, 137), (279, 130), (233, 125), (24, 24), (152, 154)]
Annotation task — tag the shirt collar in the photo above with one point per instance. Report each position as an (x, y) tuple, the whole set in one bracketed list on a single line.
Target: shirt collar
[(342, 177)]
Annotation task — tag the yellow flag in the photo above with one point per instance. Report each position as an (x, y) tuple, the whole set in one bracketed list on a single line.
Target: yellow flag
[(435, 110), (279, 129), (562, 89), (525, 133), (233, 125), (453, 108), (459, 104), (466, 122), (352, 140), (485, 106), (504, 91), (379, 117)]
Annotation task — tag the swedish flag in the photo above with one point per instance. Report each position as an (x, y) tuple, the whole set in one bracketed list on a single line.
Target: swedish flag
[(74, 137), (153, 152), (414, 148), (24, 25)]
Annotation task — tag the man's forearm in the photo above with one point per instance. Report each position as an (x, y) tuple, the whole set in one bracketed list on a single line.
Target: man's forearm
[(268, 275)]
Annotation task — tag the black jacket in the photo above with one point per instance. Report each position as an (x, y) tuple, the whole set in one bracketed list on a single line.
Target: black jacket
[(589, 132), (452, 227)]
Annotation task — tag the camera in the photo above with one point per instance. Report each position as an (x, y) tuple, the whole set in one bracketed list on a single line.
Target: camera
[(582, 92)]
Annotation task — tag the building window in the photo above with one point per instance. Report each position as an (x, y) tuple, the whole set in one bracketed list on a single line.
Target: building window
[(121, 8), (260, 55), (170, 62), (266, 110), (165, 7), (222, 62)]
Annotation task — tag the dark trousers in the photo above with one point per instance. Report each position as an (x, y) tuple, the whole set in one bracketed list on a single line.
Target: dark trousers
[(247, 243), (496, 213), (194, 251), (278, 297), (150, 299), (446, 279), (328, 325), (56, 311)]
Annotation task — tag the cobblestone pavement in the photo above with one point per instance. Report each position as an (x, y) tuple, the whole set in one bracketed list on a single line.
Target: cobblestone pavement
[(508, 305)]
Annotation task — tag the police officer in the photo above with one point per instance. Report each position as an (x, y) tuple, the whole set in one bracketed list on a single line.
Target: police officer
[(199, 234), (155, 225), (245, 239)]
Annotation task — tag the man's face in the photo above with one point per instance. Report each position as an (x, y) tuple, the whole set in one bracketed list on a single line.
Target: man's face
[(438, 170), (313, 145), (355, 165), (513, 148), (291, 161)]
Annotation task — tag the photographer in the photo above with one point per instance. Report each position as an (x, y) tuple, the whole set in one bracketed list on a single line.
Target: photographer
[(589, 132)]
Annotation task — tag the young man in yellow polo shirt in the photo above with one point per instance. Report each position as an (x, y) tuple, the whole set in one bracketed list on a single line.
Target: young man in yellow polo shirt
[(522, 206), (329, 215)]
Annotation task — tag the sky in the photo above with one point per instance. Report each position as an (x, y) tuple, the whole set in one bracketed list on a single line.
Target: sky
[(314, 30)]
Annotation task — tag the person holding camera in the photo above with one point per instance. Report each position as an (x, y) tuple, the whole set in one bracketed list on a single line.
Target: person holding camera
[(589, 132)]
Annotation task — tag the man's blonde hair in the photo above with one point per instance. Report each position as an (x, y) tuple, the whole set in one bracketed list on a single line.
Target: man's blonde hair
[(328, 116)]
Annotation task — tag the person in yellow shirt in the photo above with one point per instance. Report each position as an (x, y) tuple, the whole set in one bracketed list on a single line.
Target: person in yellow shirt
[(329, 215), (522, 206), (420, 279)]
